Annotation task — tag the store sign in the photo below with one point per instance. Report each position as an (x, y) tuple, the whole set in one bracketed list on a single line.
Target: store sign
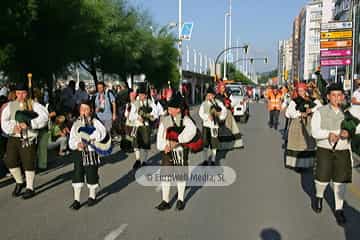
[(335, 62), (335, 44), (336, 35), (336, 53)]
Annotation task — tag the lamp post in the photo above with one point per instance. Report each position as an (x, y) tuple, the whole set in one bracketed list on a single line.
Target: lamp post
[(225, 47), (245, 47), (180, 43)]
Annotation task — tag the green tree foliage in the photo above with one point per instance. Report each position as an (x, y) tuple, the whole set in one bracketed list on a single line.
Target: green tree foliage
[(264, 77), (47, 37), (236, 75)]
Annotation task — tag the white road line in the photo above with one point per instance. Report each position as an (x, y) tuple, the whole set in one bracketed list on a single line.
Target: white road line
[(116, 233)]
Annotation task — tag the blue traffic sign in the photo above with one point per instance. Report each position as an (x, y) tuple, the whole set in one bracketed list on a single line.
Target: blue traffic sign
[(186, 31)]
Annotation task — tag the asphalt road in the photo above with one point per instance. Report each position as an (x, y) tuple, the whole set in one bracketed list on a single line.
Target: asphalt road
[(266, 202)]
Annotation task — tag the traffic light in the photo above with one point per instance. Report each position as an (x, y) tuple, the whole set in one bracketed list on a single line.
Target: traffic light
[(246, 48), (251, 60), (266, 60)]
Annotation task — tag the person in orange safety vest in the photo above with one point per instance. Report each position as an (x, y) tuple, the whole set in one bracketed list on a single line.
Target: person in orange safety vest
[(274, 106)]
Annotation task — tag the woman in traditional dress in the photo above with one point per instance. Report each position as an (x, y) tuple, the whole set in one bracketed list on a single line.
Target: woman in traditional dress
[(301, 146), (229, 132)]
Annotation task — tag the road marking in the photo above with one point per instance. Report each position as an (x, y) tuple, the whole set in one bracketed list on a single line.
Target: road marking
[(116, 233)]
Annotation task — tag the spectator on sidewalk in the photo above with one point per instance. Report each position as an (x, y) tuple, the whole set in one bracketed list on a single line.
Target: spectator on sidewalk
[(81, 94), (105, 106), (59, 135), (67, 98)]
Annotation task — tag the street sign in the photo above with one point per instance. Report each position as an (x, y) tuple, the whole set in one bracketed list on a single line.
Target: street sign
[(335, 44), (335, 62), (336, 35), (336, 53), (336, 25), (186, 30)]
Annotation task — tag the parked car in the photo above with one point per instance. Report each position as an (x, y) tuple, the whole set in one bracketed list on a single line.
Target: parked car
[(239, 103)]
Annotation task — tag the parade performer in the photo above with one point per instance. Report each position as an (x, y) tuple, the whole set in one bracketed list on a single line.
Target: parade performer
[(174, 132), (333, 156), (212, 111), (301, 146), (87, 166), (145, 114), (229, 132), (131, 125), (20, 120)]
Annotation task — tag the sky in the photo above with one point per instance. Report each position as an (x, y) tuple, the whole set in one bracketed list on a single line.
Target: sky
[(260, 23)]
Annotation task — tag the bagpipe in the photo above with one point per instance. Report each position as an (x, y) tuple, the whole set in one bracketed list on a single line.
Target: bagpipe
[(195, 145), (215, 111), (84, 131), (303, 104), (145, 112)]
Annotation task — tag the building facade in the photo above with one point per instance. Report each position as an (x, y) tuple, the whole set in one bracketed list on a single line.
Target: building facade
[(314, 13), (285, 54), (296, 49)]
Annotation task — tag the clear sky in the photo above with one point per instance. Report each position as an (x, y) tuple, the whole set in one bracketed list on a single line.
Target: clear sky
[(261, 23)]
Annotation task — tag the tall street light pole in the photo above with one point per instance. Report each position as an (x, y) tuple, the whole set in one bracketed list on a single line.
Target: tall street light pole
[(180, 43), (225, 47), (230, 24)]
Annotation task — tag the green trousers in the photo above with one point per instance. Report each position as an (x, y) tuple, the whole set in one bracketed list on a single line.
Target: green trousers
[(42, 151)]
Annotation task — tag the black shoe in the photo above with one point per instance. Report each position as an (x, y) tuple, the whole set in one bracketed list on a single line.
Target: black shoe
[(144, 164), (180, 205), (75, 205), (28, 194), (213, 163), (340, 217), (137, 165), (91, 202), (205, 163), (317, 205), (17, 189), (163, 206)]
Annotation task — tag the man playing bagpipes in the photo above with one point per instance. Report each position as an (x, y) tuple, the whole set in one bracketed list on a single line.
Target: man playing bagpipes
[(301, 146), (175, 131), (229, 132), (20, 120), (333, 156), (88, 135), (131, 124), (144, 113), (212, 111)]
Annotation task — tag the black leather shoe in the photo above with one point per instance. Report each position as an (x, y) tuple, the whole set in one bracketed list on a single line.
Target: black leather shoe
[(75, 205), (340, 217), (205, 163), (91, 202), (28, 194), (163, 206), (137, 164), (144, 164), (17, 189), (317, 205), (213, 164), (180, 205)]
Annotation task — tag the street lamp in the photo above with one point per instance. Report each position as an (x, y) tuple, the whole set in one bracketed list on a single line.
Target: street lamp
[(245, 47), (180, 43), (225, 47)]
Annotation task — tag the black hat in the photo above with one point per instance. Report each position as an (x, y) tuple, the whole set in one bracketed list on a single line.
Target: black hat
[(210, 90), (177, 101), (335, 87), (21, 86), (141, 90)]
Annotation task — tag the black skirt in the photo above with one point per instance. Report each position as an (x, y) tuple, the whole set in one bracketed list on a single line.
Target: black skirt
[(210, 141)]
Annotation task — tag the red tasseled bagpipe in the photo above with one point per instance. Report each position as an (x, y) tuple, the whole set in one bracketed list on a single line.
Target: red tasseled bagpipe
[(195, 145)]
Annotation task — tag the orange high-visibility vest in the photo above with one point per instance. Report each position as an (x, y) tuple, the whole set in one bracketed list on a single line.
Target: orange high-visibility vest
[(274, 102)]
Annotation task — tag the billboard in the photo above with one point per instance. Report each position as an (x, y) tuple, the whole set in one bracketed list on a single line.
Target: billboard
[(336, 53), (336, 35), (335, 62), (336, 44), (336, 25)]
